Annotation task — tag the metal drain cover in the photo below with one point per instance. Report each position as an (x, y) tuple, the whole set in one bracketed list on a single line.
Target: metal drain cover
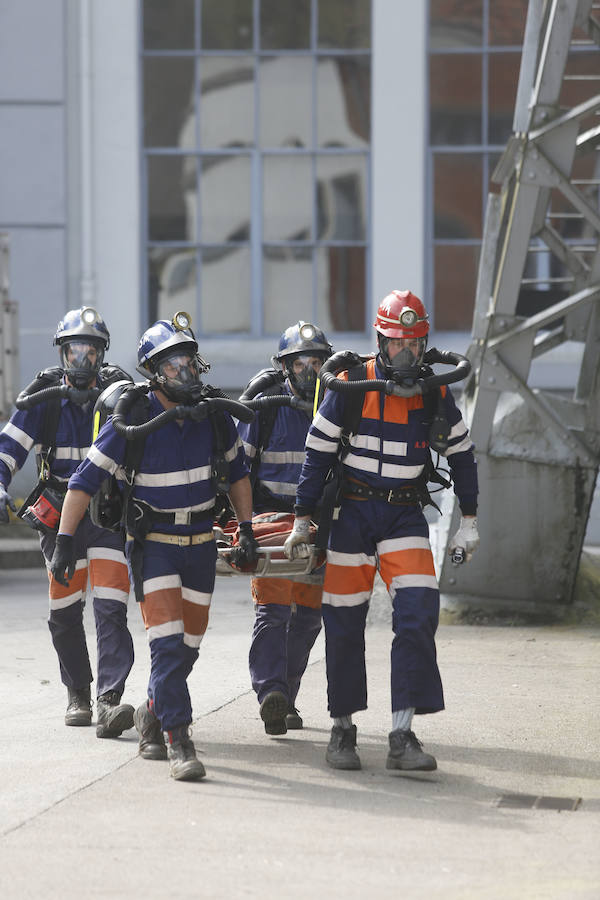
[(534, 801)]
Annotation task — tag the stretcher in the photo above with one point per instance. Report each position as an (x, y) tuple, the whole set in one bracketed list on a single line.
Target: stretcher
[(271, 531)]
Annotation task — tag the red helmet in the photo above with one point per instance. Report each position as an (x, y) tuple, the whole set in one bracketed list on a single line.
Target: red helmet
[(401, 315)]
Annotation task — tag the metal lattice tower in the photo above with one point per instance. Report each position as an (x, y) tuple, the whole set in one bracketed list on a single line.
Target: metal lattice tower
[(538, 288)]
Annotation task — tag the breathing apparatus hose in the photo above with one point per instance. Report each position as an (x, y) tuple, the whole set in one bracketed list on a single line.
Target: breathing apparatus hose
[(197, 411), (279, 400), (27, 400), (262, 382), (346, 359)]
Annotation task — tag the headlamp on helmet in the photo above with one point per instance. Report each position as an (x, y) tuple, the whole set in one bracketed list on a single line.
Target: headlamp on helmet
[(301, 344)]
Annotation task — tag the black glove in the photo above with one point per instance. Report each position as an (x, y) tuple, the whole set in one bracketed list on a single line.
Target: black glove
[(5, 501), (245, 553), (63, 558)]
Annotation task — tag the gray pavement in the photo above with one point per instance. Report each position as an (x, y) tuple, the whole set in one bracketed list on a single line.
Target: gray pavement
[(85, 817)]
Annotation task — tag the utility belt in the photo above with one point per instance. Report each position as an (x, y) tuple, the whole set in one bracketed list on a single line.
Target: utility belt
[(179, 540), (403, 496), (42, 508), (180, 518)]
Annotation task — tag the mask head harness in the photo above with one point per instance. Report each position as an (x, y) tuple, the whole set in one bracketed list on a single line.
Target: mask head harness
[(302, 350), (402, 326), (82, 339), (168, 356)]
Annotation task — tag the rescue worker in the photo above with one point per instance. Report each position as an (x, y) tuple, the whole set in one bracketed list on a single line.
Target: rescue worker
[(288, 610), (60, 430), (381, 527), (171, 521)]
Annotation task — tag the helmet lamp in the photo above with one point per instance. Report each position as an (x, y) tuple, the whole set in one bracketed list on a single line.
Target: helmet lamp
[(181, 320)]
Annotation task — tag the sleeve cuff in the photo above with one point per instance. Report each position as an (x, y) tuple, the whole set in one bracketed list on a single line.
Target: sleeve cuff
[(303, 511), (468, 506)]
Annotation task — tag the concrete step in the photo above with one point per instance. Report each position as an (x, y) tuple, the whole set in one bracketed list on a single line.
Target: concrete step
[(21, 550)]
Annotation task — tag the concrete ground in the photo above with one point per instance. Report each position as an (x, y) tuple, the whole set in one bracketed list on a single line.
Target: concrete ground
[(82, 817)]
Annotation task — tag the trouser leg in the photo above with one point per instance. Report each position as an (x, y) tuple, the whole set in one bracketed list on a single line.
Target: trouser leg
[(110, 586), (268, 649), (303, 630), (65, 620)]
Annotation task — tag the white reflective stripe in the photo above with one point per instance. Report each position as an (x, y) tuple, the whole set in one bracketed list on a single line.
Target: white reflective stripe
[(390, 471), (10, 462), (286, 456), (233, 451), (208, 504), (165, 630), (316, 443), (281, 487), (458, 430), (392, 545), (63, 602), (349, 559), (21, 437), (172, 479), (395, 448), (107, 553), (365, 442), (162, 583), (410, 581), (107, 593), (81, 564), (327, 427), (197, 597), (71, 452), (192, 640), (101, 460), (249, 450), (466, 444), (361, 462), (346, 599)]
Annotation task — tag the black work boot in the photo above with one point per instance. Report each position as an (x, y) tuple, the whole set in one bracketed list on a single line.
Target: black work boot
[(112, 717), (184, 764), (341, 752), (79, 708), (273, 711), (406, 753), (152, 742), (293, 719)]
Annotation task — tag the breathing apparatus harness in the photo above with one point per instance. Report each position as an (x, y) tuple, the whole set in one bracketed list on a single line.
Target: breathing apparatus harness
[(130, 408), (422, 382), (269, 383), (41, 509)]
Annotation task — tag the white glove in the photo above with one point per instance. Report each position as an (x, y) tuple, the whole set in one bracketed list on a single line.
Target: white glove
[(465, 539), (297, 544)]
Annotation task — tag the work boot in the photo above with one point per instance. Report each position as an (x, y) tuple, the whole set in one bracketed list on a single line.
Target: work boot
[(112, 717), (341, 752), (79, 708), (293, 720), (152, 742), (273, 711), (184, 764), (406, 753)]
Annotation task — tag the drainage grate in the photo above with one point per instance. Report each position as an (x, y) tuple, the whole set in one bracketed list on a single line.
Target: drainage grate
[(532, 801)]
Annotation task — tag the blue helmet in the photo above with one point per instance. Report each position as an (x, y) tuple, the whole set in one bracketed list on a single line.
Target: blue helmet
[(305, 339), (165, 345), (297, 346), (82, 338)]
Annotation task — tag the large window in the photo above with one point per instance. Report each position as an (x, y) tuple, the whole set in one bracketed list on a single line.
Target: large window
[(474, 60), (256, 138)]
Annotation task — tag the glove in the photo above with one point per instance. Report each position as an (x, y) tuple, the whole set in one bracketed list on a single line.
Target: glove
[(245, 553), (63, 558), (297, 544), (465, 542), (5, 501)]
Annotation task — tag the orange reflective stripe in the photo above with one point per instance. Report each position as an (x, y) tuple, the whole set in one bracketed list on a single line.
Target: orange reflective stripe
[(271, 590), (195, 617), (162, 606), (108, 573), (405, 562), (348, 579), (78, 583)]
